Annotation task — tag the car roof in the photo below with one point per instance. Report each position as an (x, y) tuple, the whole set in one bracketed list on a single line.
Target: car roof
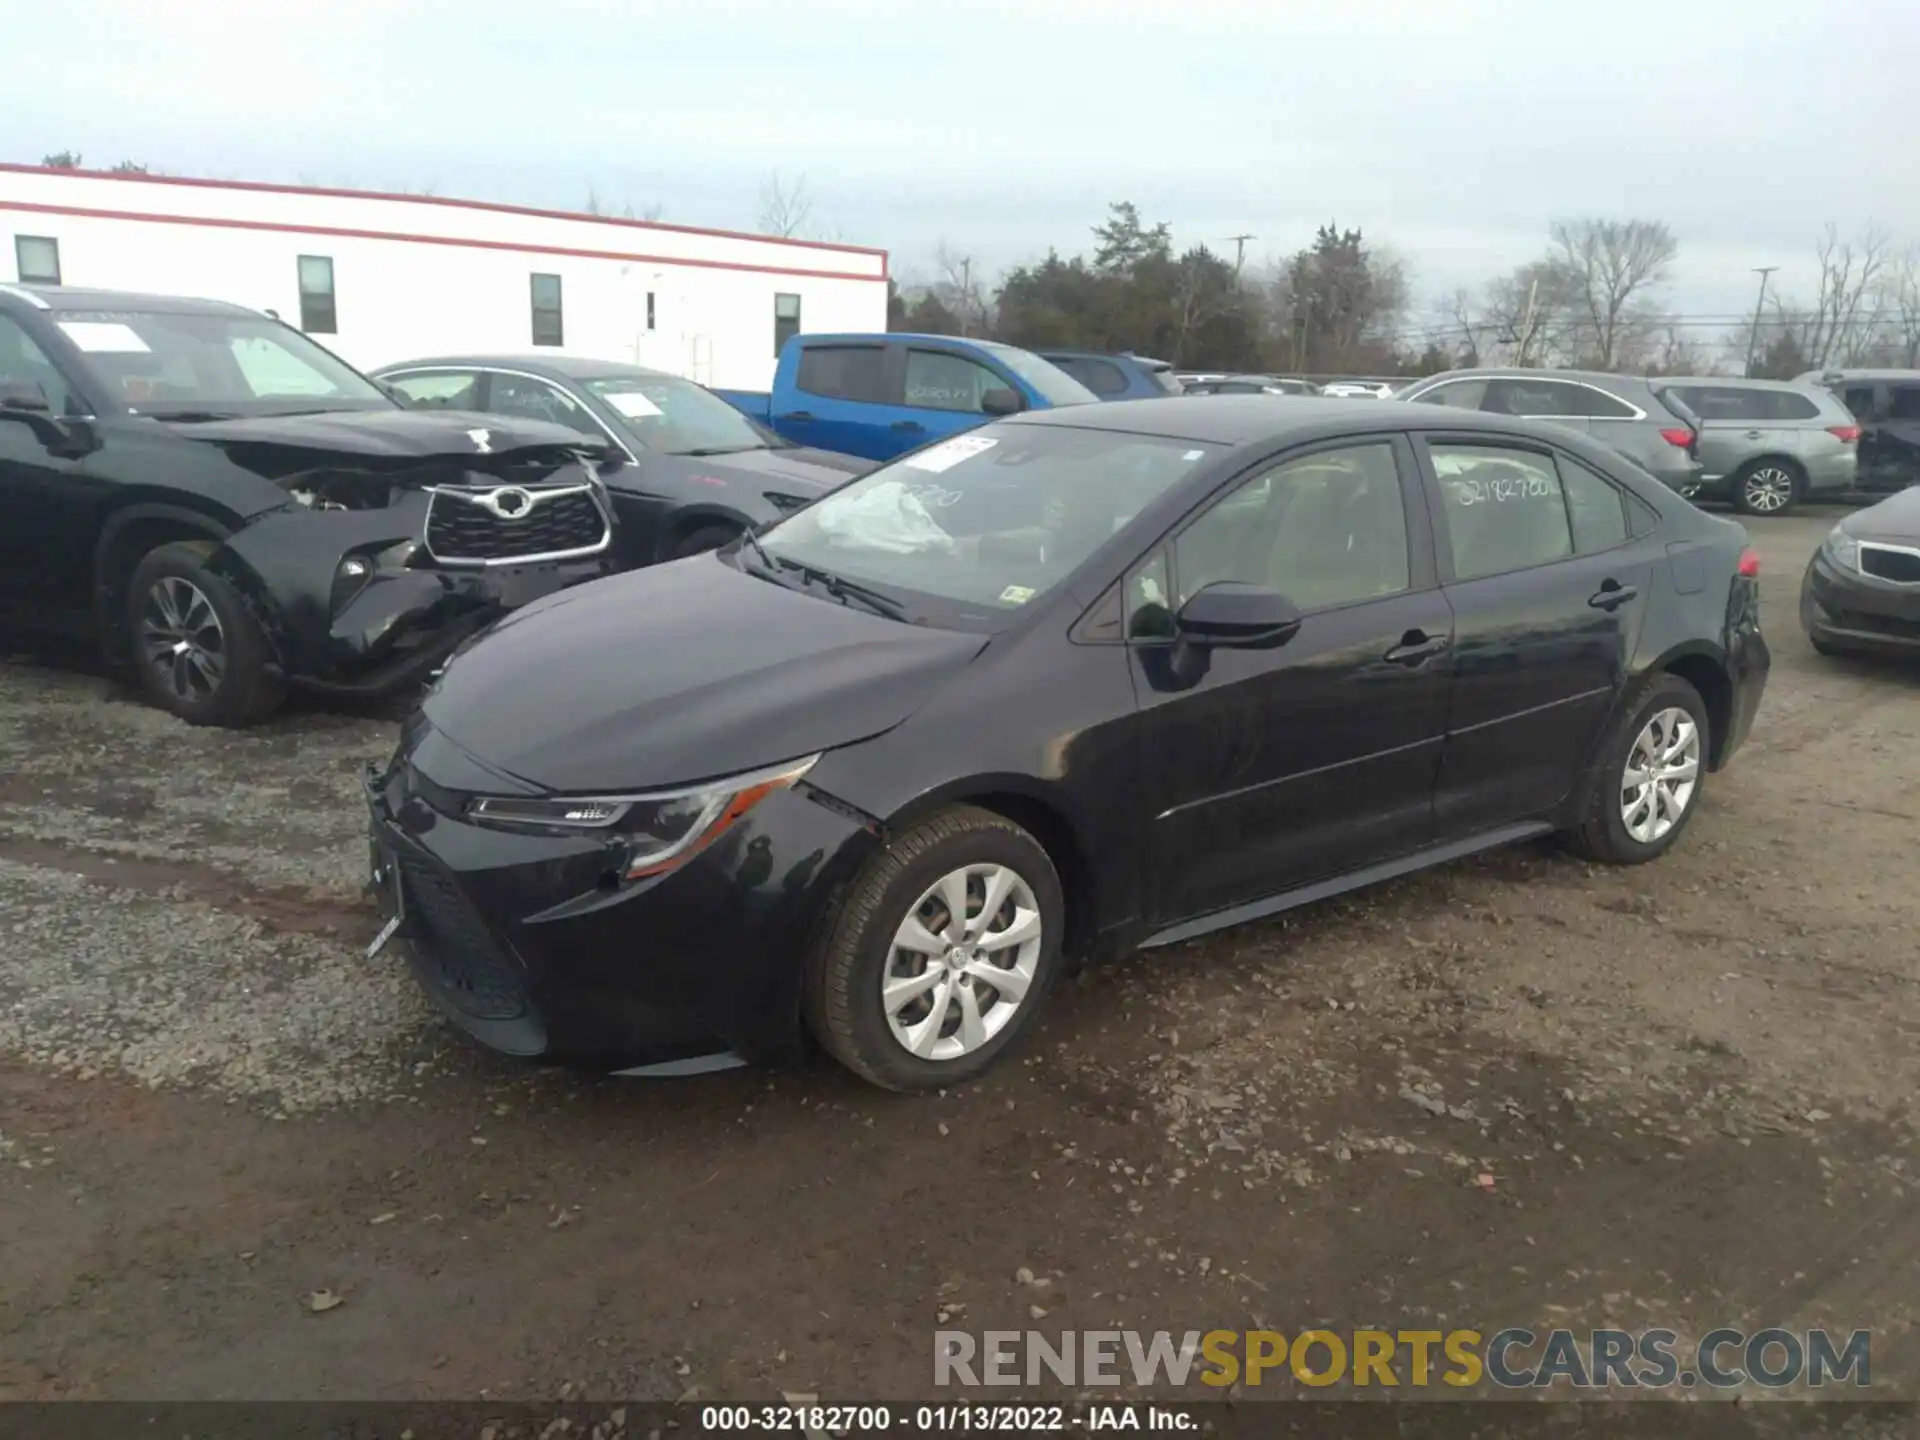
[(1729, 382), (556, 367), (1816, 376), (1601, 378), (55, 298), (1259, 419)]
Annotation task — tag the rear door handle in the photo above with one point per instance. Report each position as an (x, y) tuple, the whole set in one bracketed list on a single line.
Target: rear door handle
[(1612, 595), (1416, 647), (797, 415), (1753, 434), (908, 425)]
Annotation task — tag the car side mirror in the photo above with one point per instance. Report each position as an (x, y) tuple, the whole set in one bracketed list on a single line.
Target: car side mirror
[(1235, 615), (24, 395), (1001, 402)]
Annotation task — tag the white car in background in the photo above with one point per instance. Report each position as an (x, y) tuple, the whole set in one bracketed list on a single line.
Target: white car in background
[(1358, 389)]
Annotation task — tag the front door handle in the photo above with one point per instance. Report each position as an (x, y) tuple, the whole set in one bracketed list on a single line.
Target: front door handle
[(1416, 647), (1612, 595), (1753, 434), (907, 426)]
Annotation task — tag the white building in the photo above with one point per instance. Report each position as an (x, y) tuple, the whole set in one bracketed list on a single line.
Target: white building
[(380, 278)]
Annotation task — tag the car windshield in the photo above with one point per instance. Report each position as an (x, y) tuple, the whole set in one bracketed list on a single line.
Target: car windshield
[(677, 417), (985, 523), (1056, 387), (168, 364)]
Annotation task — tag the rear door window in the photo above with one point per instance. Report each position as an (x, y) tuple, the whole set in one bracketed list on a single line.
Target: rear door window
[(1504, 508), (439, 389), (1903, 402), (1859, 400), (844, 372)]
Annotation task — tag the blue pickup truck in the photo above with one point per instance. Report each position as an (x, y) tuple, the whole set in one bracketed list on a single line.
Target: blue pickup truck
[(882, 395)]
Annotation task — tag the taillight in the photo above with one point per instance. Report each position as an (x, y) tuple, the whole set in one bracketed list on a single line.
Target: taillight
[(1845, 434), (1677, 437), (1750, 564)]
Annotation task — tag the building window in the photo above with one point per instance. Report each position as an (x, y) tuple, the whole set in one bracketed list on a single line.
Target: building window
[(37, 258), (650, 310), (317, 314), (786, 319), (547, 329)]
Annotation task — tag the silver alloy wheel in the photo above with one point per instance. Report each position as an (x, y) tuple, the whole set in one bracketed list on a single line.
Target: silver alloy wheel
[(181, 638), (1768, 489), (961, 962), (1662, 772)]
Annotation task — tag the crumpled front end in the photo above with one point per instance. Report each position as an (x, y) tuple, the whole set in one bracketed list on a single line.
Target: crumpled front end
[(381, 567)]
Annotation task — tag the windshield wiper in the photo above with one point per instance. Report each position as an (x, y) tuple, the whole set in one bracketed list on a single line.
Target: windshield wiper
[(845, 590), (189, 417), (702, 452)]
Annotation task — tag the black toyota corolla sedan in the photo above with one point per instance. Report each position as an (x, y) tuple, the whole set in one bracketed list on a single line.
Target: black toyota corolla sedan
[(1861, 591), (1069, 684)]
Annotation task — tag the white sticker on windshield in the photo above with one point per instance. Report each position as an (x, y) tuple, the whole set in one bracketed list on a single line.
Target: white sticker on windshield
[(1193, 455), (1016, 595), (632, 404), (949, 453), (103, 337)]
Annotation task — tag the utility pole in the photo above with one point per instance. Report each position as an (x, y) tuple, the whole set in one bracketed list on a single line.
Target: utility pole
[(966, 293), (1528, 320), (1753, 336), (1239, 243)]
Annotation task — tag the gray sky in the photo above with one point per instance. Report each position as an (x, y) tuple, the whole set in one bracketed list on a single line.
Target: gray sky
[(1451, 130)]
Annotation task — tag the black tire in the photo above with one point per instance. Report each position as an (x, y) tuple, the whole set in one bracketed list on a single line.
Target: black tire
[(844, 973), (1747, 491), (1602, 833), (244, 690), (707, 537)]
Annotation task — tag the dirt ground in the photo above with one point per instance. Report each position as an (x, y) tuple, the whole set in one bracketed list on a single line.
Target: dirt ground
[(1692, 1084)]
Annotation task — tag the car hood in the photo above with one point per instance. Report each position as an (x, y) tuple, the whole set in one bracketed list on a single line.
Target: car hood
[(1895, 518), (803, 473), (401, 435), (680, 673)]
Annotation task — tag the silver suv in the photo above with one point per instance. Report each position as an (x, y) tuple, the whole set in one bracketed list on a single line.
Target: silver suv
[(1617, 410), (1769, 444)]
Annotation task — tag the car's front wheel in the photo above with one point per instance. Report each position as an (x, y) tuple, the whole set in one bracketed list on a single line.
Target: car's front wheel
[(1647, 785), (199, 650), (941, 954)]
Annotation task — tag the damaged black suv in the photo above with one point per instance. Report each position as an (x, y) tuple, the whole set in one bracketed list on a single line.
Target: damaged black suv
[(233, 510)]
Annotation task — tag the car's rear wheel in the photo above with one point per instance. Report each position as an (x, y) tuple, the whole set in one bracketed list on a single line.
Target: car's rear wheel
[(707, 537), (1653, 764), (199, 651), (941, 955), (1767, 487)]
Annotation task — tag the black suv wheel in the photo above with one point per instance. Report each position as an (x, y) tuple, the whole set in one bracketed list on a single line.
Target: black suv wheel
[(199, 650)]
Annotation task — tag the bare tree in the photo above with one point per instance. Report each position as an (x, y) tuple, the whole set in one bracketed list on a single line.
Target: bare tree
[(1899, 300), (1676, 351), (1838, 329), (785, 208), (1613, 266)]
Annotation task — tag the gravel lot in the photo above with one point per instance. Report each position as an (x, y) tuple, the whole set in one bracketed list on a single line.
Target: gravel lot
[(1692, 1083)]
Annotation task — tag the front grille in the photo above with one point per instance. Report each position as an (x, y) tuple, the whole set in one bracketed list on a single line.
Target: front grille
[(462, 959), (1884, 562), (555, 524), (1872, 624)]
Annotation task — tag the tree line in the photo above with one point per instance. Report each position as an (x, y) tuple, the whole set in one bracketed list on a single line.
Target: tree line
[(1595, 298)]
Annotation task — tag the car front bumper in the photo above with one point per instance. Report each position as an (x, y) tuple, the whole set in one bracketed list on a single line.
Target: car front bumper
[(353, 604), (1847, 610), (536, 946)]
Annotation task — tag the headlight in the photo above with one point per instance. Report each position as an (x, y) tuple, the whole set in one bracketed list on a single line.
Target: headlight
[(662, 830), (1842, 549)]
